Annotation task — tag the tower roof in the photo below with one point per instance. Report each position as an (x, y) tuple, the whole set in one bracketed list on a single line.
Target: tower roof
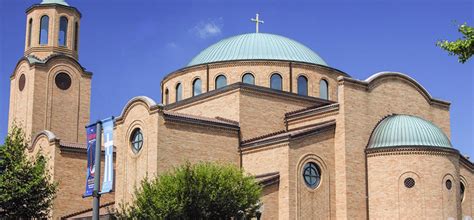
[(407, 131), (60, 2), (257, 46)]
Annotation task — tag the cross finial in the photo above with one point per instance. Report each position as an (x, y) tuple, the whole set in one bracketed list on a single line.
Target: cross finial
[(257, 21)]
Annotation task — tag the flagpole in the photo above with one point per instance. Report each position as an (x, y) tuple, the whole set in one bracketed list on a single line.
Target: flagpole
[(96, 194)]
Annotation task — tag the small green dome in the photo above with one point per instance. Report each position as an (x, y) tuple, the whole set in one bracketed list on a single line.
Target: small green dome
[(257, 46), (61, 2), (407, 131)]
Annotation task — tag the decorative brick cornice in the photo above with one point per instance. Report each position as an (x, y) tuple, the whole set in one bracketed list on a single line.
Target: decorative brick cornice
[(411, 150), (54, 6), (253, 62), (202, 121), (44, 63), (286, 136), (375, 80), (268, 179), (247, 87), (312, 110), (467, 163)]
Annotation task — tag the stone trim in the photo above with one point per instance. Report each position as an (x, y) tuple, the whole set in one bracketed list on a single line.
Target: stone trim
[(409, 150), (373, 81), (53, 5), (250, 62), (286, 136), (268, 179), (198, 120), (45, 61), (316, 109), (86, 210), (150, 103), (50, 135), (247, 87)]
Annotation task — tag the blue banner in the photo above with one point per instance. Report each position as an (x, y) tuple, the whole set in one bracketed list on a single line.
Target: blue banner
[(91, 141), (108, 125)]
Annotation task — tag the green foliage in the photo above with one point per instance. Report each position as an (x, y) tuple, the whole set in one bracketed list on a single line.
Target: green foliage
[(463, 48), (25, 189), (201, 191)]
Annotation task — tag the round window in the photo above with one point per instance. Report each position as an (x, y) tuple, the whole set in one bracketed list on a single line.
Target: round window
[(409, 182), (136, 140), (21, 82), (449, 184), (63, 81), (461, 191), (311, 175)]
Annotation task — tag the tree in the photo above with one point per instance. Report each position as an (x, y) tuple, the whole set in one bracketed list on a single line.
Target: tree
[(201, 191), (463, 48), (25, 187)]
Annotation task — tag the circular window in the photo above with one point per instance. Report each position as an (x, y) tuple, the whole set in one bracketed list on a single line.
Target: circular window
[(63, 81), (311, 175), (136, 140), (409, 182), (21, 82), (461, 191), (449, 184)]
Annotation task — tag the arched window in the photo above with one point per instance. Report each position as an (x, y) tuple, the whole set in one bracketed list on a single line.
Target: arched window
[(197, 87), (221, 81), (179, 92), (62, 38), (312, 175), (44, 28), (30, 25), (276, 81), (248, 78), (302, 85), (323, 89), (76, 35), (167, 96), (461, 191)]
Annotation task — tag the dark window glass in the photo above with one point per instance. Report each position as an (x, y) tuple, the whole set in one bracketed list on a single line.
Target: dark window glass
[(76, 35), (449, 184), (221, 81), (136, 140), (311, 175), (44, 30), (30, 26), (302, 85), (62, 31), (409, 182), (323, 89), (21, 82), (167, 96), (197, 87), (179, 92), (248, 79), (63, 81), (461, 191), (276, 82)]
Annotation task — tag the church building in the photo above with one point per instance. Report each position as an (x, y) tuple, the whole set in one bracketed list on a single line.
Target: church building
[(322, 144)]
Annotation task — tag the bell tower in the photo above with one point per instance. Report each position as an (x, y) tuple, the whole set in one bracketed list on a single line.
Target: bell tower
[(49, 88)]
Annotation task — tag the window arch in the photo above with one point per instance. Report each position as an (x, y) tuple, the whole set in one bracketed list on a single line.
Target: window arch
[(76, 35), (302, 85), (248, 78), (62, 37), (44, 29), (276, 81), (179, 92), (30, 26), (167, 96), (323, 89), (221, 81), (197, 90)]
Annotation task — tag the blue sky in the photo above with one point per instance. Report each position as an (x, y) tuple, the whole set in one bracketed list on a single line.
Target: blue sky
[(131, 45)]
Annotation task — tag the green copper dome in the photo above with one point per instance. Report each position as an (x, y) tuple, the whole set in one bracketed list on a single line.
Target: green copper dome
[(61, 2), (406, 130), (257, 46)]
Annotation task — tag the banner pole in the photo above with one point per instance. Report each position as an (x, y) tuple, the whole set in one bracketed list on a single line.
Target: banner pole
[(95, 194)]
